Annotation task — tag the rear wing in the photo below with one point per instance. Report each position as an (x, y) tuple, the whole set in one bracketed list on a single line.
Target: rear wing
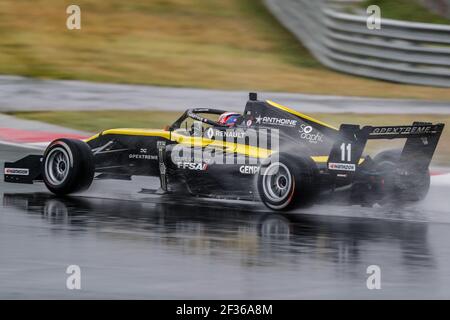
[(421, 141)]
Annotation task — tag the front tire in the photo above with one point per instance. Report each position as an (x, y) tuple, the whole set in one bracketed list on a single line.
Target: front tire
[(68, 166), (286, 183)]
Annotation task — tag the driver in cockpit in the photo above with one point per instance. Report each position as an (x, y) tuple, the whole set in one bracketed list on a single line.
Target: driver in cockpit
[(229, 119)]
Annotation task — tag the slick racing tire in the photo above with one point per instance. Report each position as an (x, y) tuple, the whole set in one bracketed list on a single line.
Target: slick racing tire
[(410, 187), (286, 183), (68, 166)]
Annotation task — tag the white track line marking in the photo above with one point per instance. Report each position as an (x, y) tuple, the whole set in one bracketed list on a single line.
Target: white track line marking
[(443, 179), (22, 145)]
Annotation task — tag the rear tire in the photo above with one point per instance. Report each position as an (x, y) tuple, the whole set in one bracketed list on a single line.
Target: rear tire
[(68, 166), (401, 188), (286, 183)]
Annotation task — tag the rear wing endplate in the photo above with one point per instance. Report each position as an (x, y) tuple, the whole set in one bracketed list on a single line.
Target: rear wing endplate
[(421, 141)]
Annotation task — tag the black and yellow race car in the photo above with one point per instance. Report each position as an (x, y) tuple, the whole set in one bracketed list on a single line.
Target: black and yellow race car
[(272, 153)]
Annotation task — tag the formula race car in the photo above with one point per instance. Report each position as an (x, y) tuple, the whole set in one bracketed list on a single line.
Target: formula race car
[(269, 152)]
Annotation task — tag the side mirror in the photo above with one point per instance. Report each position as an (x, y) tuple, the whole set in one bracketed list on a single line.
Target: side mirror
[(166, 127)]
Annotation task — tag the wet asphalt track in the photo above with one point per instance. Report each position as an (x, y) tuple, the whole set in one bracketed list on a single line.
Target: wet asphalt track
[(132, 245)]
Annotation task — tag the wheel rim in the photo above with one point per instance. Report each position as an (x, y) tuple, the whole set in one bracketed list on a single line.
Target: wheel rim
[(277, 182), (55, 209), (276, 228), (57, 166)]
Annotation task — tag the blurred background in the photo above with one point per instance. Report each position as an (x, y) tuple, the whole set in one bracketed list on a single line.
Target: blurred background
[(228, 44), (318, 51), (140, 63)]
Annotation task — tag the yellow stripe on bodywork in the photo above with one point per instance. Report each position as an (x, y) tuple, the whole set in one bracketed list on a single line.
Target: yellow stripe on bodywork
[(92, 138), (324, 159), (320, 159), (247, 150), (133, 132), (301, 115), (140, 132), (251, 151), (226, 146)]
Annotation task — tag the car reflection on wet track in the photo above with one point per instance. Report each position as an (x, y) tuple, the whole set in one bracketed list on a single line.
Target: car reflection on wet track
[(255, 236), (133, 245)]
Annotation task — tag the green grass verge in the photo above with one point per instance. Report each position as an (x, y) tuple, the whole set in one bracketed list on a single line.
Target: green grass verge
[(408, 10), (96, 121), (227, 44)]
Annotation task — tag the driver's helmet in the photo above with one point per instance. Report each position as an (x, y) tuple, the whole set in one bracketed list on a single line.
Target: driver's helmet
[(229, 118)]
